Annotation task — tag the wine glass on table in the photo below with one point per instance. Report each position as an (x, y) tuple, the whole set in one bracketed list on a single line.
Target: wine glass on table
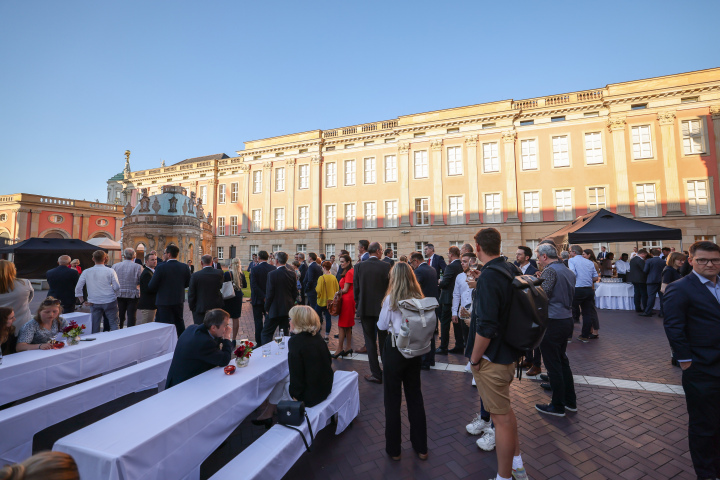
[(278, 337)]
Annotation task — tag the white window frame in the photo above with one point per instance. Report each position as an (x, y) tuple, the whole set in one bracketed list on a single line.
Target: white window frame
[(391, 214), (303, 177), (641, 138), (350, 172), (331, 217), (256, 216), (493, 207), (422, 213), (303, 217), (593, 148), (370, 215), (221, 226), (221, 253), (528, 154), (369, 172), (594, 204), (420, 247), (331, 174), (392, 246), (693, 141), (279, 219), (233, 225), (234, 192), (257, 181), (421, 167), (456, 209), (349, 216), (454, 161), (301, 248), (561, 151), (277, 248), (329, 250), (254, 250), (532, 211), (561, 198), (222, 196), (350, 247), (641, 206), (203, 194), (691, 187), (491, 159), (391, 170), (280, 179)]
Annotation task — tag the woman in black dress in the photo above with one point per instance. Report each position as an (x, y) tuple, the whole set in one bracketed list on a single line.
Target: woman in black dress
[(234, 305)]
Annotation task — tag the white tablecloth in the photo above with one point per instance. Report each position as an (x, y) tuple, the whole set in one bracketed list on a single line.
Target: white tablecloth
[(33, 371), (169, 435), (617, 296), (26, 419)]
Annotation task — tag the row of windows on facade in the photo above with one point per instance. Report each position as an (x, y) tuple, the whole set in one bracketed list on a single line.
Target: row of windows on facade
[(330, 248), (693, 143), (646, 205)]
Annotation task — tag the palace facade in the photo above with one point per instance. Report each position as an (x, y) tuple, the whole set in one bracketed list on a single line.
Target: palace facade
[(647, 149)]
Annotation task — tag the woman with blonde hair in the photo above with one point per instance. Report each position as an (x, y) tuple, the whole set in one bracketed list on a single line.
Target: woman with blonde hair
[(44, 326), (311, 374), (76, 265), (43, 466), (400, 372), (15, 293), (233, 305)]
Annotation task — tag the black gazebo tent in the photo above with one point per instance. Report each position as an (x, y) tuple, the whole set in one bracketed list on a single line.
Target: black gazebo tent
[(35, 256), (605, 226)]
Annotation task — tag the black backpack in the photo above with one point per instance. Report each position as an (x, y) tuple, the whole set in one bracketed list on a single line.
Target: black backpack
[(527, 321)]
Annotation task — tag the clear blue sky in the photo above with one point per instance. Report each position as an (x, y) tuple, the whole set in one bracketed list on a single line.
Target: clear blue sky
[(82, 81)]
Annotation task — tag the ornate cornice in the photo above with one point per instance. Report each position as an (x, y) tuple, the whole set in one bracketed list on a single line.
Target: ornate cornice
[(403, 147), (244, 168), (471, 140), (267, 165), (616, 123), (670, 93), (436, 145), (509, 136), (666, 118), (715, 112), (290, 162)]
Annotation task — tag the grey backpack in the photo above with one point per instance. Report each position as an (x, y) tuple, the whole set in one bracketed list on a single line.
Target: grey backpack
[(418, 317)]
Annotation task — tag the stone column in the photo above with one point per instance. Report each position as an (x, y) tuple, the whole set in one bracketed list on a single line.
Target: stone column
[(34, 222), (511, 202), (267, 194), (315, 184), (471, 142), (672, 185), (85, 226), (715, 114), (211, 206), (21, 224), (404, 173), (290, 189), (616, 125), (245, 204), (77, 219), (437, 167)]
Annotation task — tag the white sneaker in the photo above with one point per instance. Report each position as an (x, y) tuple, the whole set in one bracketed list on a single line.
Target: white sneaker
[(487, 441), (477, 426), (468, 367)]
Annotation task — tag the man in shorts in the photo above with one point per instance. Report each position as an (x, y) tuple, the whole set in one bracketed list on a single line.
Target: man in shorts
[(492, 360)]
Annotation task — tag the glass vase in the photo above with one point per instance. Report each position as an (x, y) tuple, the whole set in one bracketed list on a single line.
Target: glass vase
[(242, 362)]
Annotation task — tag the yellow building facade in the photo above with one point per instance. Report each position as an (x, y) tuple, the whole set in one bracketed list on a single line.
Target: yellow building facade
[(647, 149)]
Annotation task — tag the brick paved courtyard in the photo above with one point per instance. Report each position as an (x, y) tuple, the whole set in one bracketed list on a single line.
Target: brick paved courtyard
[(616, 433)]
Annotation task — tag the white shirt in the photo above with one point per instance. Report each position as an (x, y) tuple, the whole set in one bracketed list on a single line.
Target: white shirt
[(389, 320), (525, 267), (622, 267), (462, 293), (102, 284), (633, 254)]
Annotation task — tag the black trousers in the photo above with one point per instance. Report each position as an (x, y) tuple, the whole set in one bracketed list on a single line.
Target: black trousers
[(68, 308), (129, 306), (702, 395), (258, 314), (172, 314), (640, 296), (398, 373), (371, 334), (268, 331), (445, 322), (198, 317), (535, 357), (584, 302), (553, 347), (652, 290)]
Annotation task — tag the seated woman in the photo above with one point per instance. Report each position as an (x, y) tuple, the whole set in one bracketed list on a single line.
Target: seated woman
[(8, 339), (44, 326), (42, 466), (311, 374)]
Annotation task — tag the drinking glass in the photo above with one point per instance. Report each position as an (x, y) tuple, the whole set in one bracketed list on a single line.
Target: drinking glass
[(473, 264), (266, 349), (278, 337)]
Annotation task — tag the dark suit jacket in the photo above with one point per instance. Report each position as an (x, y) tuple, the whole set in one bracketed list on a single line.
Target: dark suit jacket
[(389, 260), (601, 256), (370, 284), (169, 282), (653, 269), (438, 264), (303, 273), (314, 272), (197, 352), (691, 323), (204, 292), (531, 269), (280, 292), (62, 281), (637, 270), (311, 373), (427, 277), (447, 284), (258, 282), (147, 299)]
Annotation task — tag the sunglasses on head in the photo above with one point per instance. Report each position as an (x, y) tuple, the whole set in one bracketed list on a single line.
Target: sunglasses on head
[(51, 301)]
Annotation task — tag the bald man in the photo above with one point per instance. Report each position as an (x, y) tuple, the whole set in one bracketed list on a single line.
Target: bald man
[(62, 280)]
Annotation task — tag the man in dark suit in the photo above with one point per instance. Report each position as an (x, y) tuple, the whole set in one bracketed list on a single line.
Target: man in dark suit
[(253, 263), (146, 304), (62, 280), (216, 263), (447, 284), (370, 284), (314, 272), (427, 277), (603, 253), (169, 282), (303, 274), (638, 278), (363, 254), (204, 292), (435, 261), (692, 325), (258, 282), (533, 358), (389, 257), (653, 269), (202, 347), (280, 294)]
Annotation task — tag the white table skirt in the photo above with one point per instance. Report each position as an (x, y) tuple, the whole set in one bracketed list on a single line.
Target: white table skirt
[(617, 296), (169, 435), (272, 455), (33, 371), (26, 419)]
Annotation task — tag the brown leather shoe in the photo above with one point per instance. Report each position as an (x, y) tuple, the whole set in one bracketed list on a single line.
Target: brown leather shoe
[(372, 379), (526, 364), (362, 350), (533, 371), (423, 456)]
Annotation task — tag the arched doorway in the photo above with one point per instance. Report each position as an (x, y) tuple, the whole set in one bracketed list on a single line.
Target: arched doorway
[(140, 252)]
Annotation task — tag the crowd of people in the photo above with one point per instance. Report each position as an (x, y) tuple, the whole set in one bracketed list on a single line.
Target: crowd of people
[(474, 294)]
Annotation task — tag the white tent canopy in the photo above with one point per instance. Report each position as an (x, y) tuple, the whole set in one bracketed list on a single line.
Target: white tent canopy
[(106, 243)]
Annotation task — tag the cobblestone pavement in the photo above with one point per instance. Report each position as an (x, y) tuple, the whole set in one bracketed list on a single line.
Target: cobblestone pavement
[(616, 433)]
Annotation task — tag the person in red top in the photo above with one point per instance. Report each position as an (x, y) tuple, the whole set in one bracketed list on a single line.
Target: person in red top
[(76, 265), (346, 320)]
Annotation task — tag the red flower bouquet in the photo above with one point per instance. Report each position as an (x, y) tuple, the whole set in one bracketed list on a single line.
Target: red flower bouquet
[(72, 332), (243, 352)]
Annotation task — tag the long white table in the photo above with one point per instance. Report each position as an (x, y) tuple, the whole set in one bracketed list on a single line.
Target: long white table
[(33, 371), (28, 418), (617, 296), (169, 435)]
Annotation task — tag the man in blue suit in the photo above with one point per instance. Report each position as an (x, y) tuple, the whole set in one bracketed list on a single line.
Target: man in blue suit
[(427, 277), (653, 269), (258, 282), (692, 325), (62, 280)]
